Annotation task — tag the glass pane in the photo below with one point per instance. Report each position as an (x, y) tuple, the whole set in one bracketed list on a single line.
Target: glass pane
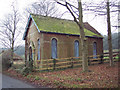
[(94, 49), (76, 47), (38, 49), (54, 48)]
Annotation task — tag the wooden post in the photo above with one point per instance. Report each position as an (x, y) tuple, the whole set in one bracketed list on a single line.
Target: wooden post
[(88, 60), (71, 62), (54, 63), (101, 61)]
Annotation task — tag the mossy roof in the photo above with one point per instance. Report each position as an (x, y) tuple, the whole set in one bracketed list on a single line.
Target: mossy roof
[(55, 25)]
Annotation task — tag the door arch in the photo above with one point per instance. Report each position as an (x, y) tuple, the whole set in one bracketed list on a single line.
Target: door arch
[(54, 48), (30, 58), (30, 53), (76, 48)]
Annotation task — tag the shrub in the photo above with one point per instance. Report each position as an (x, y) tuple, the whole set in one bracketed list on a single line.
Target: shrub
[(26, 70), (29, 76), (37, 78), (18, 66), (6, 62)]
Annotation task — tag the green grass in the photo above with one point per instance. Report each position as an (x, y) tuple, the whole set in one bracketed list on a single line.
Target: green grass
[(18, 66), (37, 78), (49, 24), (68, 85), (114, 50), (117, 57), (113, 57), (78, 86), (106, 57), (30, 76)]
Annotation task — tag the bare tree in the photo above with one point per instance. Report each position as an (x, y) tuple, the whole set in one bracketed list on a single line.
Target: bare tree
[(109, 34), (44, 7), (106, 8), (76, 13), (99, 9), (9, 30)]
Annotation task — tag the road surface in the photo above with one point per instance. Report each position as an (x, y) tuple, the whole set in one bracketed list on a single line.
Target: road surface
[(8, 82)]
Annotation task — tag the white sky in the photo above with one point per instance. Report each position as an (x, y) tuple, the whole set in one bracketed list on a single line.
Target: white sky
[(98, 23), (5, 8)]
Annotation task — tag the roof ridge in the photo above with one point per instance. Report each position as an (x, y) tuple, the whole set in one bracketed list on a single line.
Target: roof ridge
[(54, 17)]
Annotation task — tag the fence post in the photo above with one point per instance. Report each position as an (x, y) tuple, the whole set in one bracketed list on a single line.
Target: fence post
[(54, 63), (71, 62), (101, 61), (88, 60)]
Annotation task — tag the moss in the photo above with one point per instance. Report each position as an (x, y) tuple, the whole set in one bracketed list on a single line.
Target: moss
[(30, 76), (48, 24), (37, 78), (67, 85), (25, 71)]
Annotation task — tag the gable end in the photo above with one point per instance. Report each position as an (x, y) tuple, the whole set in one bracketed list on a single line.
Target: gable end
[(28, 25)]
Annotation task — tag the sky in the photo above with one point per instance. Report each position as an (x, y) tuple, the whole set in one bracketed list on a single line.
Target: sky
[(5, 8), (99, 23)]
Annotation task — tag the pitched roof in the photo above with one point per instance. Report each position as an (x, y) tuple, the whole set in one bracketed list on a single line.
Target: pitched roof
[(89, 27), (62, 26)]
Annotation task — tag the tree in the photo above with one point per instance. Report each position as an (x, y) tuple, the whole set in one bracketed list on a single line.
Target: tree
[(44, 7), (9, 30), (76, 13), (103, 9), (109, 35)]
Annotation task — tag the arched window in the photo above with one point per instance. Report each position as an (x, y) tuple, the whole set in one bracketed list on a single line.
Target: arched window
[(94, 49), (76, 48), (54, 48), (38, 49)]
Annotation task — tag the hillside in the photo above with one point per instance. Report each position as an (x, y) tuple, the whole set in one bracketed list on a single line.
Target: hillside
[(19, 51), (114, 41)]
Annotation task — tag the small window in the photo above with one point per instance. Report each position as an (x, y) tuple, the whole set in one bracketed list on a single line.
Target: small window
[(38, 49), (54, 48), (76, 48)]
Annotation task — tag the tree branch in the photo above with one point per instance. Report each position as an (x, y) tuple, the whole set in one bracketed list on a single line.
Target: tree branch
[(66, 5)]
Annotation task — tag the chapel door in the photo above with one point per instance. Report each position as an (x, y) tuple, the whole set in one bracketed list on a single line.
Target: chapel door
[(30, 57)]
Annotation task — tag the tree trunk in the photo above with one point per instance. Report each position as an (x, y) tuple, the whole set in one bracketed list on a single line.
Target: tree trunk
[(109, 35), (26, 49), (119, 46), (82, 38), (12, 52), (12, 49)]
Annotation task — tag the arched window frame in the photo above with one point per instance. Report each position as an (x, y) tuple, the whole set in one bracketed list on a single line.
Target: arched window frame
[(94, 49), (76, 49), (54, 48), (38, 53)]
